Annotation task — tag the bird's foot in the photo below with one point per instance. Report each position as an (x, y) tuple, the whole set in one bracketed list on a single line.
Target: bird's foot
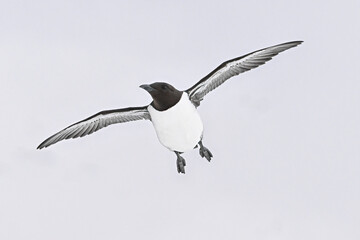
[(204, 152), (180, 163)]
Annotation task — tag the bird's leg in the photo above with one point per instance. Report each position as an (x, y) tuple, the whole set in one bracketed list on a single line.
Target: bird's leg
[(204, 152), (180, 163)]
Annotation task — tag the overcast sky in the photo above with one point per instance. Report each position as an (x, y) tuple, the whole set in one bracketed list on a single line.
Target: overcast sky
[(285, 136)]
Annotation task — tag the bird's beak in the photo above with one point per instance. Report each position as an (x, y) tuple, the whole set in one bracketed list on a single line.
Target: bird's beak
[(147, 87)]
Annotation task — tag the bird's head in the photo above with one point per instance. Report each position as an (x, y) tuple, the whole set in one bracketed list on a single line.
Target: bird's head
[(163, 94)]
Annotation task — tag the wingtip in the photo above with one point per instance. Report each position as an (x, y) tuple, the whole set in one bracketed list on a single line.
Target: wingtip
[(41, 146), (297, 42), (291, 44)]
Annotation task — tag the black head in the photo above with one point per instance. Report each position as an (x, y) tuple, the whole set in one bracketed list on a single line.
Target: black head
[(163, 94)]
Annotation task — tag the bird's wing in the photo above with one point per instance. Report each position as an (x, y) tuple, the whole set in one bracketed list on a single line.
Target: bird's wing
[(234, 67), (96, 122)]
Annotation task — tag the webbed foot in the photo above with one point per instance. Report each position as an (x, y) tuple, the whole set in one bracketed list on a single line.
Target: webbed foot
[(204, 152), (180, 163)]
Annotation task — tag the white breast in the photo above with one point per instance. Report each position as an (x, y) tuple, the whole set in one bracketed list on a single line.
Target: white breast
[(178, 128)]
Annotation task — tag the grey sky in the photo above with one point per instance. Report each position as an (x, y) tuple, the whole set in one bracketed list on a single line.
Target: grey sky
[(286, 150)]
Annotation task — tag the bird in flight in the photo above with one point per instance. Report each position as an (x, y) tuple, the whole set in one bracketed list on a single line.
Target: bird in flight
[(173, 112)]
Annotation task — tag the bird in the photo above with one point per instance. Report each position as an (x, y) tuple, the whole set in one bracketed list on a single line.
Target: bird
[(173, 112)]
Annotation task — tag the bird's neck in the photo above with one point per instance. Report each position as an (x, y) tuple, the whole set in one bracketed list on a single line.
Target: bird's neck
[(162, 103)]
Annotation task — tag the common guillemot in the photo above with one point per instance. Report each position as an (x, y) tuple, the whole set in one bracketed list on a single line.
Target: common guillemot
[(173, 112)]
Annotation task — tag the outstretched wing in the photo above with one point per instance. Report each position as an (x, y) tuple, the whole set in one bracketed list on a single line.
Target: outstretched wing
[(234, 67), (96, 122)]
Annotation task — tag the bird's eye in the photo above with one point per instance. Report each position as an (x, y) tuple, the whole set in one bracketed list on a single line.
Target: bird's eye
[(163, 87)]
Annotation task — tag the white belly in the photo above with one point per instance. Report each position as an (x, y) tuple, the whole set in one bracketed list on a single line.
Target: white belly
[(178, 128)]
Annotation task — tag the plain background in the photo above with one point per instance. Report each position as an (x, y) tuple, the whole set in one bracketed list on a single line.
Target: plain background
[(285, 137)]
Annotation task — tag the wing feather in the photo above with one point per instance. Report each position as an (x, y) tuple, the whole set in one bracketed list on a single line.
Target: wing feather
[(234, 67), (96, 122)]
